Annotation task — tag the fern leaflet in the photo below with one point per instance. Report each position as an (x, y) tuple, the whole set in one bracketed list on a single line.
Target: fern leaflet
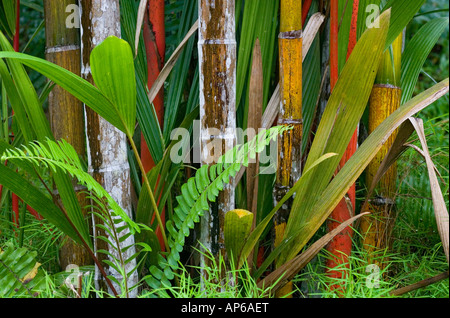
[(195, 196)]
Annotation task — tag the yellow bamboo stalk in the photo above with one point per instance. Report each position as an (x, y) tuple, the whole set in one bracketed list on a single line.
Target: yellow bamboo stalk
[(290, 114), (384, 100)]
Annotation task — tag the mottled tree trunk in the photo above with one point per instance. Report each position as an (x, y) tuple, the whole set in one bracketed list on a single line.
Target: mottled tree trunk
[(107, 146), (66, 112), (217, 59)]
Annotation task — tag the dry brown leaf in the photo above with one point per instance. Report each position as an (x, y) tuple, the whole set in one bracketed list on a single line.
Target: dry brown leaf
[(440, 209), (159, 82), (140, 20)]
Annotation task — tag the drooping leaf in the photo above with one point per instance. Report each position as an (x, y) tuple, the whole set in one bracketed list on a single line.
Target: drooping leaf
[(78, 87), (37, 200), (440, 209)]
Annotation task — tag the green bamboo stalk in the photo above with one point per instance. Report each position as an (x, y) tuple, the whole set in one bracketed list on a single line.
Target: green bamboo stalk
[(66, 111)]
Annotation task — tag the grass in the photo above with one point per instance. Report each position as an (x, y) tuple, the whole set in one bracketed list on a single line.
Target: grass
[(416, 252), (235, 283), (365, 281)]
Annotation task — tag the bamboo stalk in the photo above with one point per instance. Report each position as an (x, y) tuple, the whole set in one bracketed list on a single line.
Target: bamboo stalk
[(290, 114), (66, 111), (384, 100), (107, 146), (217, 70)]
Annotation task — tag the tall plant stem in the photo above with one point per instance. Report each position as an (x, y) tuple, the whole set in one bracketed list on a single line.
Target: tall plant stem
[(66, 111), (384, 100), (15, 198), (155, 42), (217, 84), (17, 33), (289, 143), (150, 191), (341, 245), (107, 145)]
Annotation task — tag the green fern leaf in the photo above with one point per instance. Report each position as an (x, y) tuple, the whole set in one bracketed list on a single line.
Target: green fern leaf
[(195, 196)]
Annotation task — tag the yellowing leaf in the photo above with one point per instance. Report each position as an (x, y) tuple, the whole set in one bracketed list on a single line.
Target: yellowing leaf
[(32, 274)]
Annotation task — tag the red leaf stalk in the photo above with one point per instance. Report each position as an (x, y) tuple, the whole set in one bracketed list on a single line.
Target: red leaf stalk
[(306, 5), (15, 198), (155, 46), (340, 247)]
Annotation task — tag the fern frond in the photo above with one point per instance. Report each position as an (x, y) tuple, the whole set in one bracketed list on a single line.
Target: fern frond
[(197, 193), (18, 266), (62, 155)]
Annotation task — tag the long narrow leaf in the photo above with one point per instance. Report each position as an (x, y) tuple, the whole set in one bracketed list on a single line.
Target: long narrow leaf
[(416, 53), (339, 121), (440, 209), (37, 200), (337, 188)]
